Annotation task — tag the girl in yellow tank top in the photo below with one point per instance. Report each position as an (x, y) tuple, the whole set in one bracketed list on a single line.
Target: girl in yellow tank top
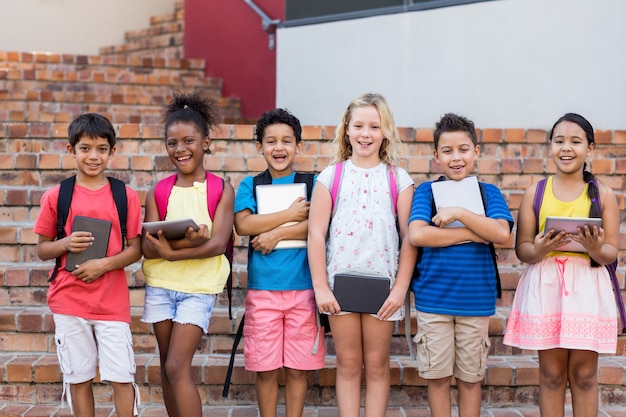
[(564, 306)]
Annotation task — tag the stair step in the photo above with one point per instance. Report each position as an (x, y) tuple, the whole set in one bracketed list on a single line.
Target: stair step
[(69, 62), (156, 30), (509, 381), (158, 410)]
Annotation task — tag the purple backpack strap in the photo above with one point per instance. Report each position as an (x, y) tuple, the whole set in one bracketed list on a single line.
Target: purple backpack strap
[(541, 187), (611, 268)]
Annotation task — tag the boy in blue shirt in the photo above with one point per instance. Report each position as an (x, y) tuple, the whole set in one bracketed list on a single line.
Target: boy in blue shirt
[(281, 326), (455, 287)]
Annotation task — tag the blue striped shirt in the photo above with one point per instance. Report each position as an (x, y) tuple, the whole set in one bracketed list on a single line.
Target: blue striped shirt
[(457, 280)]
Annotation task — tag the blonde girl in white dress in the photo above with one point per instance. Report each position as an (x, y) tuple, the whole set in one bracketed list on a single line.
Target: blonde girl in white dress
[(359, 236)]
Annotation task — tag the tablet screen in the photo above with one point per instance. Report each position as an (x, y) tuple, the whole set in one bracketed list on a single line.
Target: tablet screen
[(172, 229)]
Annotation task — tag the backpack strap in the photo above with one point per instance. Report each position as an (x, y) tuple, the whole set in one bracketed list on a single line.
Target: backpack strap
[(393, 188), (118, 188), (492, 248), (306, 178), (66, 190), (231, 362), (336, 186), (539, 191), (214, 189), (162, 191), (264, 178)]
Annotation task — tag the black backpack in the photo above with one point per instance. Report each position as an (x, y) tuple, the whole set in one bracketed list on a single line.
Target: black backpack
[(118, 188), (263, 178)]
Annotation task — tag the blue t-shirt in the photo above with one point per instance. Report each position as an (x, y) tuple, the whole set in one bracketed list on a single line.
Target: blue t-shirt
[(281, 269), (457, 280)]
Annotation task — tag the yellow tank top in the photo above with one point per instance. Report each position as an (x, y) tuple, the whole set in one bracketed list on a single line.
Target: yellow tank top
[(551, 206), (203, 276)]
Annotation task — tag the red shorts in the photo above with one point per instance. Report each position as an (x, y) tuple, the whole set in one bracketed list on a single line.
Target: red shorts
[(281, 330)]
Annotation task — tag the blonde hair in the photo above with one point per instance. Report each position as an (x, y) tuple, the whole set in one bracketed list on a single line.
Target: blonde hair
[(389, 151)]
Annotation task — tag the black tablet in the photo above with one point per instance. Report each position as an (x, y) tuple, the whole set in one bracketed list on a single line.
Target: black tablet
[(172, 229)]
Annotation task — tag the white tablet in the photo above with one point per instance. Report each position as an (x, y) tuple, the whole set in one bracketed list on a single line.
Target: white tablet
[(463, 193), (172, 229), (271, 198), (571, 225)]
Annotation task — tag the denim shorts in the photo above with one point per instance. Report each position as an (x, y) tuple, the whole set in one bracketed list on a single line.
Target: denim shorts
[(161, 304)]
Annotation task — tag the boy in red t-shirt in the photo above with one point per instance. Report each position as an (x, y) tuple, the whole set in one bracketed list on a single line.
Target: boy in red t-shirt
[(91, 305)]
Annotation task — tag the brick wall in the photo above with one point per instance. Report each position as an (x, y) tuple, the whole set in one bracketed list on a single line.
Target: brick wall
[(33, 158)]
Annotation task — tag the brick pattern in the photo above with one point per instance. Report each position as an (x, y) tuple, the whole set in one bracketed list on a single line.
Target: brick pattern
[(163, 39), (41, 92), (33, 158)]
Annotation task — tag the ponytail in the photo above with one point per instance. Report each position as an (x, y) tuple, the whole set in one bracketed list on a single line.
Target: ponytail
[(594, 195)]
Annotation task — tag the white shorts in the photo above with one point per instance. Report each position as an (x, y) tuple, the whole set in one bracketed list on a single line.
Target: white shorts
[(84, 344)]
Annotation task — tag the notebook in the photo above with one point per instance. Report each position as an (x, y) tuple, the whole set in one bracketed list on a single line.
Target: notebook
[(100, 230), (172, 229), (271, 198), (464, 193), (571, 225), (361, 293)]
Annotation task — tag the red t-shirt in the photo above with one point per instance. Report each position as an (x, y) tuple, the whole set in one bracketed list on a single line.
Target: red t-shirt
[(107, 297)]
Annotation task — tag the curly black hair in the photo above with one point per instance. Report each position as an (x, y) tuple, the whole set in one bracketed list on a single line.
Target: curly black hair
[(276, 116), (194, 108)]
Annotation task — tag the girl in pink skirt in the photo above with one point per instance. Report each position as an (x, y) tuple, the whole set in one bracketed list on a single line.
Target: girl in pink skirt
[(564, 305)]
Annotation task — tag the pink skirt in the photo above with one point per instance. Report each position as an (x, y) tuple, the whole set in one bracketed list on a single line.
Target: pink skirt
[(562, 302)]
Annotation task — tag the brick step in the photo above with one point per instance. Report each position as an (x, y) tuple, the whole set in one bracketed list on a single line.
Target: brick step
[(31, 330), (94, 80), (150, 42), (70, 62), (155, 30), (167, 52), (177, 15), (509, 381), (158, 410), (41, 111)]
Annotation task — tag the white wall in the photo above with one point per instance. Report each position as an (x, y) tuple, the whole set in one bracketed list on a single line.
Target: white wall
[(73, 26), (504, 63)]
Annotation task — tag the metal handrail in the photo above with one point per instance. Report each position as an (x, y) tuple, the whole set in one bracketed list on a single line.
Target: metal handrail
[(268, 24)]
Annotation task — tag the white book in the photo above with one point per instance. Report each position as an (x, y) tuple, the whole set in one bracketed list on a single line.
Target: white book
[(463, 193), (271, 198)]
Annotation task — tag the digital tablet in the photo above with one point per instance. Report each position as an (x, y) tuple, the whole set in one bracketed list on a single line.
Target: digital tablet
[(271, 198), (463, 193), (172, 229), (361, 293), (100, 230), (571, 225)]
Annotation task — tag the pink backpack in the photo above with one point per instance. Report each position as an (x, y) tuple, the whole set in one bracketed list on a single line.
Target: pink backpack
[(214, 188), (334, 191)]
